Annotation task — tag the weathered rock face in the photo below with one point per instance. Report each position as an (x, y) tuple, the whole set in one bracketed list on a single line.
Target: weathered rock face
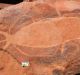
[(2, 5), (46, 36)]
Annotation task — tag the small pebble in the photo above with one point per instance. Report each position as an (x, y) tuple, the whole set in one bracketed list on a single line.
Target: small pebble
[(25, 64)]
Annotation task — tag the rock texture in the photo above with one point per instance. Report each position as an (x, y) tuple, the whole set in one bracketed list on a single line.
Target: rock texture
[(44, 33), (2, 5)]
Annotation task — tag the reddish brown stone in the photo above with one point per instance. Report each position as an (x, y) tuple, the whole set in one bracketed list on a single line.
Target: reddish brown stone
[(3, 5), (46, 36)]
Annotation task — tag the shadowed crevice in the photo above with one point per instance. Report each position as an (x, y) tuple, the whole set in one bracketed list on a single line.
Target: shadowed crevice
[(11, 1), (77, 74)]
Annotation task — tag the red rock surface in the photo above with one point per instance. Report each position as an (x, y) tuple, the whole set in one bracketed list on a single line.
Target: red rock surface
[(2, 5), (44, 33)]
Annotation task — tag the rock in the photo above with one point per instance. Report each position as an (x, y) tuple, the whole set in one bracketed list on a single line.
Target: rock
[(3, 5), (43, 35)]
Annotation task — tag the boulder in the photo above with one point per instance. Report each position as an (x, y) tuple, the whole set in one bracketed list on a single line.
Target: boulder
[(45, 36)]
